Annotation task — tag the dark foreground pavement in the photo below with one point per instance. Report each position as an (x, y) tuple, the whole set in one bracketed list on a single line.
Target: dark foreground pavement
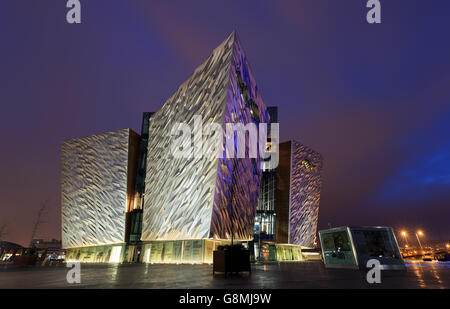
[(270, 276)]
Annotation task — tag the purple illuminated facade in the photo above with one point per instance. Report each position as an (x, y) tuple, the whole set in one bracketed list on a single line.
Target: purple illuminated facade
[(204, 197), (236, 195), (299, 183), (193, 204)]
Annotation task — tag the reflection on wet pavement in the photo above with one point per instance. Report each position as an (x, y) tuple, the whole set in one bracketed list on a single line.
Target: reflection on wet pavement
[(274, 275), (429, 273)]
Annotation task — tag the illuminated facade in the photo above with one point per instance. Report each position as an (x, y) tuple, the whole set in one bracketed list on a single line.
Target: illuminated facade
[(299, 183), (204, 197), (288, 204), (98, 179), (265, 213), (126, 197)]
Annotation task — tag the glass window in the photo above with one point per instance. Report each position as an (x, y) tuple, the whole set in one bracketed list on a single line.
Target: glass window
[(336, 241), (376, 244)]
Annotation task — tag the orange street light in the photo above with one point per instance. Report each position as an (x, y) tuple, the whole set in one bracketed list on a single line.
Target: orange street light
[(405, 239), (419, 233)]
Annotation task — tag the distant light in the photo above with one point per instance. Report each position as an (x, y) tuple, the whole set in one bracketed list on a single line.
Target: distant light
[(420, 233), (404, 234)]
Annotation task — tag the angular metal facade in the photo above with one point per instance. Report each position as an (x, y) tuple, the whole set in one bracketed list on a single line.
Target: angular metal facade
[(97, 174), (306, 184), (204, 197)]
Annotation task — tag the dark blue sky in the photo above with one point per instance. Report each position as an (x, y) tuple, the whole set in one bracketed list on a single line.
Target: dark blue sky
[(373, 99)]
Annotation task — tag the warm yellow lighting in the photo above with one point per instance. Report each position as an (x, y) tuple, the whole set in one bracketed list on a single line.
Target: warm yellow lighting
[(147, 255), (420, 233), (404, 234), (406, 246), (308, 165), (447, 245), (115, 254)]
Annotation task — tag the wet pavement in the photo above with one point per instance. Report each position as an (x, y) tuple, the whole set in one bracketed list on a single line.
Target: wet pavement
[(291, 275)]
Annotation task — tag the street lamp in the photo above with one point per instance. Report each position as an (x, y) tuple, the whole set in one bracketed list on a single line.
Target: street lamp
[(419, 233), (405, 235)]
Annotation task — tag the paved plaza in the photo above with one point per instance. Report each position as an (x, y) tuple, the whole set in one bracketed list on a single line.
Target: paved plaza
[(292, 275)]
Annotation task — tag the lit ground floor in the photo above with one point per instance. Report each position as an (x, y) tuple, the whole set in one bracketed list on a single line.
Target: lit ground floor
[(271, 275), (184, 252)]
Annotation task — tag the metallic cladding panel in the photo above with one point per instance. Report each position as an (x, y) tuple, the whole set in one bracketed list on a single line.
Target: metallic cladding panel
[(237, 184), (306, 184), (94, 189), (188, 198), (179, 192)]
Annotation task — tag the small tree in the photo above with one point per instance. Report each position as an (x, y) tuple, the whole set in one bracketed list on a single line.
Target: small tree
[(42, 211)]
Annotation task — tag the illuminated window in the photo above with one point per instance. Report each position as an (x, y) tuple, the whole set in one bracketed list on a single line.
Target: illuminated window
[(308, 165)]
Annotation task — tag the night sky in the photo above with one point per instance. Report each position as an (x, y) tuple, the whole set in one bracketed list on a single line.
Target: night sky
[(373, 99)]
